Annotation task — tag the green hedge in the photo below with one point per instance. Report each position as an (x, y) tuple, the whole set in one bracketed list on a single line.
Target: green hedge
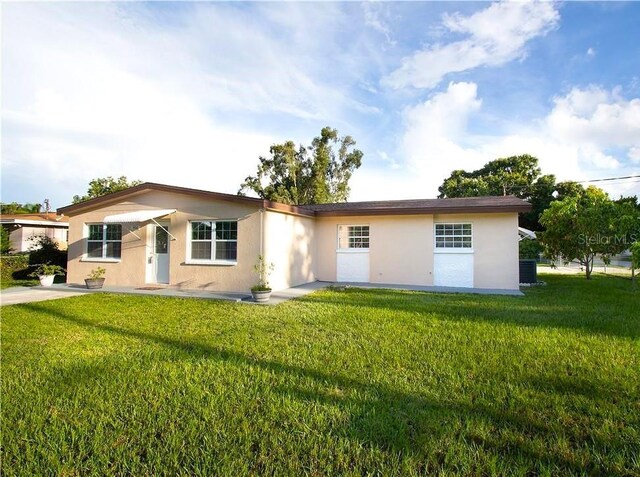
[(20, 265), (14, 267)]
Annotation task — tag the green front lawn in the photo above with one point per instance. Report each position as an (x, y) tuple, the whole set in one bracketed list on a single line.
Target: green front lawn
[(342, 382)]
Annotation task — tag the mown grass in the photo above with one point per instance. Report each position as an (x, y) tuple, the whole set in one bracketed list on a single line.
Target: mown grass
[(350, 382)]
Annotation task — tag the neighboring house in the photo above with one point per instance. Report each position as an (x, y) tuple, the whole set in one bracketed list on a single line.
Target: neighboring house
[(160, 234), (22, 227)]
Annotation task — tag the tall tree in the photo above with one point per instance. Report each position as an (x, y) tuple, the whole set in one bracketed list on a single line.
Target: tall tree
[(516, 175), (103, 186), (568, 189), (579, 227), (504, 176), (316, 174)]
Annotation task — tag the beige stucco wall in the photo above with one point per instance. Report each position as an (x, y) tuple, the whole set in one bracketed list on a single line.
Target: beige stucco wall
[(401, 248), (131, 269), (495, 247), (289, 243)]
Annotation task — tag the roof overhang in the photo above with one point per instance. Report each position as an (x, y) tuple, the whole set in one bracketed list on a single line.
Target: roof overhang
[(481, 205), (127, 194), (137, 216), (34, 223), (423, 211)]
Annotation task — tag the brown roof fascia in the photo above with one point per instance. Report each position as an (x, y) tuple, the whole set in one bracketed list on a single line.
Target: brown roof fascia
[(356, 210), (288, 209), (425, 210), (135, 190)]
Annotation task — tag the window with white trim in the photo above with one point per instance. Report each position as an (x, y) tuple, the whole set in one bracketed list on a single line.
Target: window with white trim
[(214, 240), (353, 236), (453, 236), (104, 241)]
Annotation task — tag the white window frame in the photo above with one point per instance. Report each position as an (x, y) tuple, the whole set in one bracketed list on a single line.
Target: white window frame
[(213, 241), (437, 249), (103, 258), (348, 249)]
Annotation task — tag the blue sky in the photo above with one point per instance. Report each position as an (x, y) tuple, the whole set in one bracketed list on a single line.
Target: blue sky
[(191, 94)]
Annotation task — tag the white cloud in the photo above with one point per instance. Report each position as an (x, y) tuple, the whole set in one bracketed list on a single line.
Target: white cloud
[(495, 35), (573, 141), (591, 52), (593, 156), (106, 89), (372, 16), (393, 163), (434, 131), (597, 117)]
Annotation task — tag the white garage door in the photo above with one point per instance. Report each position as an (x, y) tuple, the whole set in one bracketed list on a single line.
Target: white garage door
[(453, 269), (353, 267)]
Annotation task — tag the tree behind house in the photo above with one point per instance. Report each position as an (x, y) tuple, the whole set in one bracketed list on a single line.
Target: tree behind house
[(103, 186), (519, 176), (516, 175), (316, 174)]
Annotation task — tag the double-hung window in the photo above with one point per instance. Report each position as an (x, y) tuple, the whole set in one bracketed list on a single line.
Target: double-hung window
[(104, 241), (453, 236), (353, 237), (214, 240)]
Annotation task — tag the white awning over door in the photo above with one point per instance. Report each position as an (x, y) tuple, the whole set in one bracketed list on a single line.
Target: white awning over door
[(137, 216)]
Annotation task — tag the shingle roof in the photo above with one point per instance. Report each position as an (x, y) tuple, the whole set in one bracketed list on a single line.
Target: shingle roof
[(382, 207), (423, 206)]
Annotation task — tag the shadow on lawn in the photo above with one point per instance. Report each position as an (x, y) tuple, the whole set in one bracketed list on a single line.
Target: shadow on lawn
[(401, 422), (609, 317)]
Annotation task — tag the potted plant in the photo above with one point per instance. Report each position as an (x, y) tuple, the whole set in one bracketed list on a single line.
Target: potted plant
[(262, 291), (95, 279), (46, 273)]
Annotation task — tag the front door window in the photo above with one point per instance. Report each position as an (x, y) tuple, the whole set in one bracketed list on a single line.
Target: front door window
[(162, 240)]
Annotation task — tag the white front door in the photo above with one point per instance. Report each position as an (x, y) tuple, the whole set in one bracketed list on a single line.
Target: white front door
[(160, 254), (453, 270)]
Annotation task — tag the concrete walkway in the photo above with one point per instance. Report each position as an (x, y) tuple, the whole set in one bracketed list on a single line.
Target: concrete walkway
[(16, 295), (433, 289)]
